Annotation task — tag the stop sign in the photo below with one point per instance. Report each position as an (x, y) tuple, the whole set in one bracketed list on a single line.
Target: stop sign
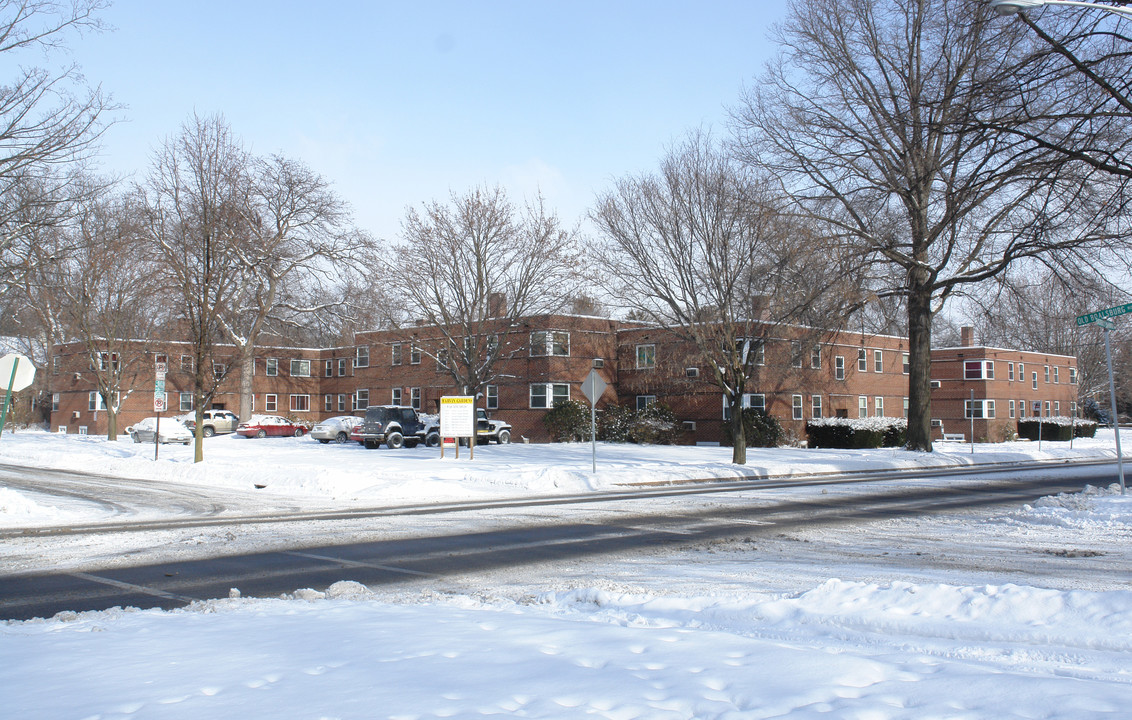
[(25, 372)]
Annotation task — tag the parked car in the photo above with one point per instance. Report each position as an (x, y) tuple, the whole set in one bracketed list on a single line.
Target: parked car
[(171, 431), (335, 428), (270, 426), (214, 422), (486, 430), (394, 425)]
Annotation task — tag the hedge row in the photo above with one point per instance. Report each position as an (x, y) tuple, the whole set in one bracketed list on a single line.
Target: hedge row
[(1055, 428), (857, 433)]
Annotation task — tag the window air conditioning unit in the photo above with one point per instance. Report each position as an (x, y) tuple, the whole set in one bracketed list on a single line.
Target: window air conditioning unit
[(692, 372), (935, 384), (599, 363)]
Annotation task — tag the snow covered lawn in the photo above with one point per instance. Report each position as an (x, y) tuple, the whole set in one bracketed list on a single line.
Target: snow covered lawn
[(686, 636)]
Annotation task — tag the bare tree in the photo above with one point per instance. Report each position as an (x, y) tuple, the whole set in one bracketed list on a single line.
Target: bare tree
[(877, 117), (299, 235), (703, 250), (472, 269), (48, 120), (194, 202)]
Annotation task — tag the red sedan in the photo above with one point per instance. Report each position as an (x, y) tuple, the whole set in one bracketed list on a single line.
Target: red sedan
[(270, 425)]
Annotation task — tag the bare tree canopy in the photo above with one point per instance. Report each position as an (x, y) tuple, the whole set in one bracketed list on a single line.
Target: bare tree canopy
[(471, 268), (877, 117), (703, 249), (48, 119), (1075, 94)]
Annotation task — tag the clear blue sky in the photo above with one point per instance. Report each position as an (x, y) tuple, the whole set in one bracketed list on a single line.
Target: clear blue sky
[(401, 103)]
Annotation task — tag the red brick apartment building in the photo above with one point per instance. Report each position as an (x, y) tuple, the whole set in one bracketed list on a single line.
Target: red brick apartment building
[(800, 375)]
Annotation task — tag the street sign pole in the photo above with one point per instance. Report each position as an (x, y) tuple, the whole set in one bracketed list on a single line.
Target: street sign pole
[(1101, 317), (592, 387), (1115, 419)]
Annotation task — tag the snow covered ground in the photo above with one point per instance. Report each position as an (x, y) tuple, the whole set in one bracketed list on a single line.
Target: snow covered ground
[(692, 634)]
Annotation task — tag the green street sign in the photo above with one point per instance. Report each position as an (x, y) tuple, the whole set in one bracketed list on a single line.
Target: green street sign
[(1102, 314)]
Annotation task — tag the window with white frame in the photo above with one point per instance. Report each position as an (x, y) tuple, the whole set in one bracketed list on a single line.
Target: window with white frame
[(441, 360), (300, 368), (1035, 381), (862, 360), (1047, 374), (878, 361), (839, 367), (341, 367), (1072, 376), (862, 406), (186, 363), (414, 355), (1011, 408), (54, 402), (491, 392), (1010, 372), (300, 403), (795, 353), (395, 397), (978, 409), (646, 356), (1047, 408), (361, 356), (748, 400), (878, 406), (550, 342), (186, 402), (94, 401), (815, 406), (219, 369), (643, 401), (271, 367), (56, 363), (328, 368), (415, 398), (1056, 375), (815, 357), (328, 403), (395, 349), (271, 402), (1021, 408), (905, 407), (544, 395), (342, 402), (751, 351), (978, 370), (1056, 408), (907, 361), (361, 398), (796, 406)]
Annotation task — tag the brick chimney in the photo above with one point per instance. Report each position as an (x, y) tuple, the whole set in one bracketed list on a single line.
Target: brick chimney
[(967, 336), (496, 305)]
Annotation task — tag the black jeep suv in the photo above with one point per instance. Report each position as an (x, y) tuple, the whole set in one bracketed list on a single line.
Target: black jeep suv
[(394, 425)]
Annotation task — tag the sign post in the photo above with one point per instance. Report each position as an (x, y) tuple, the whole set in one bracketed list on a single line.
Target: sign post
[(592, 387), (1101, 318), (17, 373), (158, 404), (457, 420)]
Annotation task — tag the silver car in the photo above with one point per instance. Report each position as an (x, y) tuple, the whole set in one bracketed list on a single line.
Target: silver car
[(335, 428), (171, 431)]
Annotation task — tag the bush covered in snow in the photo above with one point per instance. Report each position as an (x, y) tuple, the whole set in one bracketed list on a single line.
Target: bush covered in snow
[(1055, 428), (857, 432), (656, 424)]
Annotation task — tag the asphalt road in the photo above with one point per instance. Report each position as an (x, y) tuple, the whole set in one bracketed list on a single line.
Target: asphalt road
[(622, 524)]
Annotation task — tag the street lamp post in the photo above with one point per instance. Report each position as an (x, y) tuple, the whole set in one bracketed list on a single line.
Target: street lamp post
[(1010, 7)]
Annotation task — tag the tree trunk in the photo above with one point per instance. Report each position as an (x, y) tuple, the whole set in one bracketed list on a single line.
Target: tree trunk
[(738, 431), (920, 364), (247, 373), (111, 423), (198, 432)]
